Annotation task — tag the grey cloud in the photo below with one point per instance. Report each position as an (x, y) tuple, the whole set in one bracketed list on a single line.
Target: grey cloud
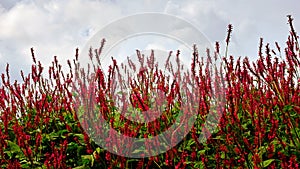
[(58, 27), (8, 4)]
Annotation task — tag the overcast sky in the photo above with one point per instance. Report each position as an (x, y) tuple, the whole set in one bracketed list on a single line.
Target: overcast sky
[(58, 27)]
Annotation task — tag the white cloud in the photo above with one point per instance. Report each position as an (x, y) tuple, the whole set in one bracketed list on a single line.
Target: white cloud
[(57, 27), (251, 20), (52, 28)]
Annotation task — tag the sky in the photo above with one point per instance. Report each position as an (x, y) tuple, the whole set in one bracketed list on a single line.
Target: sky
[(58, 27)]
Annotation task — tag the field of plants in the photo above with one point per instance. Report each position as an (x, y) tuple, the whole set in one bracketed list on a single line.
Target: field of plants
[(46, 122)]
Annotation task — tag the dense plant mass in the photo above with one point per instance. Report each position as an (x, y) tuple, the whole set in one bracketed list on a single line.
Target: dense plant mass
[(41, 126)]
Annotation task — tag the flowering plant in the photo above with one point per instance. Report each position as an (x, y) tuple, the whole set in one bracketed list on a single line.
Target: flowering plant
[(44, 125)]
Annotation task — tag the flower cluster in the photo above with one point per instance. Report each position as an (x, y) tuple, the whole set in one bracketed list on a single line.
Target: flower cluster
[(48, 121)]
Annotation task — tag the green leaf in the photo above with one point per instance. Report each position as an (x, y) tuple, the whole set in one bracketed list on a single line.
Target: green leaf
[(88, 157), (191, 142), (81, 150), (13, 148), (62, 132), (222, 155), (201, 152), (49, 98), (287, 108), (262, 150), (53, 136), (295, 132), (72, 146), (218, 138), (99, 150), (80, 136), (199, 165), (82, 167), (250, 155), (267, 162), (26, 165), (93, 160)]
